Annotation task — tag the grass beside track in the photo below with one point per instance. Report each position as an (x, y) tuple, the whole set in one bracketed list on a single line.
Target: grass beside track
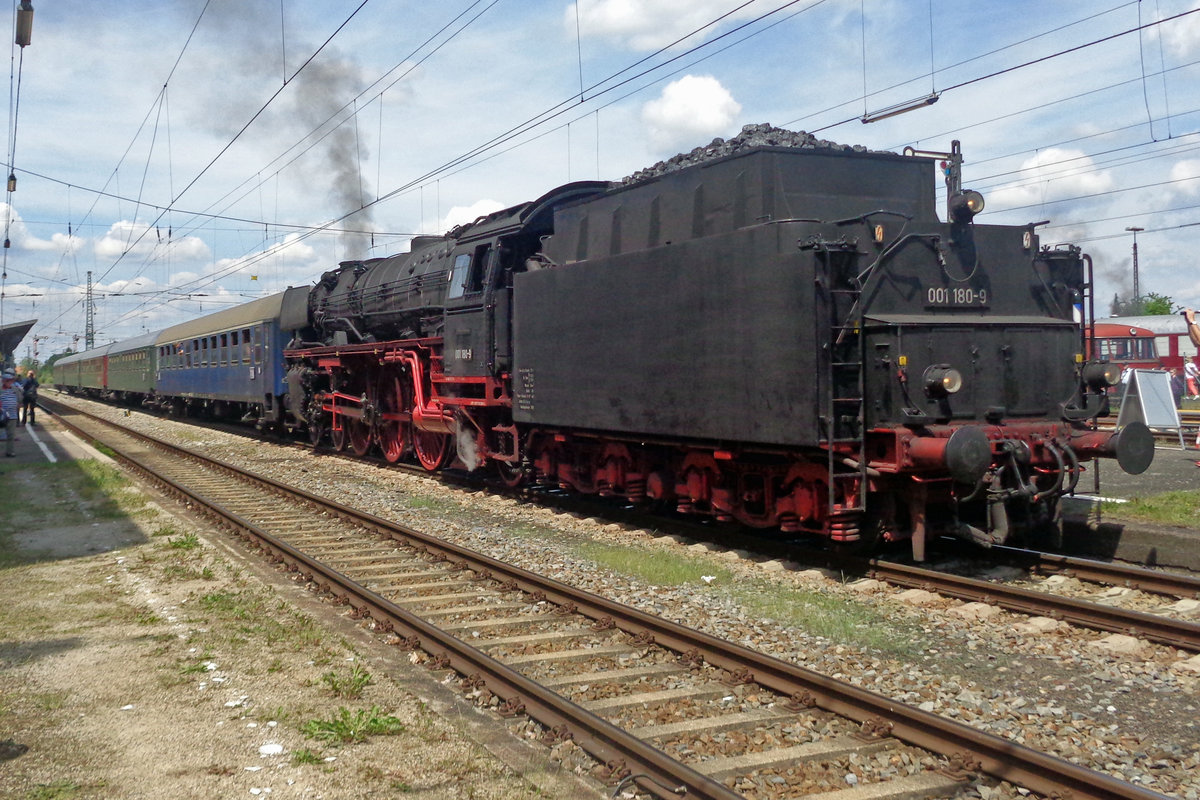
[(1169, 508), (818, 613)]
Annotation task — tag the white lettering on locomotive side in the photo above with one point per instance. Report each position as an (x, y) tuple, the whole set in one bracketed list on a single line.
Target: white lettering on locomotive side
[(955, 296), (464, 353)]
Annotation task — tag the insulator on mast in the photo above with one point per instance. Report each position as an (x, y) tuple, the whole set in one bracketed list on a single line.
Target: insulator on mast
[(24, 24)]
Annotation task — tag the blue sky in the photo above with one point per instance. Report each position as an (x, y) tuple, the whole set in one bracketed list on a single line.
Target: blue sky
[(194, 155)]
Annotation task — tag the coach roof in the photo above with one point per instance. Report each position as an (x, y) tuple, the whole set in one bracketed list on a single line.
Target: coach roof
[(261, 310), (136, 343)]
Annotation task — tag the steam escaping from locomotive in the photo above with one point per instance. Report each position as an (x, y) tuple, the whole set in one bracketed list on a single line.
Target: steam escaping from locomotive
[(310, 117), (468, 451), (318, 106)]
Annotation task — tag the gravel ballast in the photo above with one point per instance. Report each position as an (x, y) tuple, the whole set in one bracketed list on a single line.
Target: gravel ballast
[(1126, 709)]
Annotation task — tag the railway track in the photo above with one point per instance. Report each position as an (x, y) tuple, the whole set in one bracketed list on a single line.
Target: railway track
[(1156, 628), (669, 710), (1160, 628), (1189, 421)]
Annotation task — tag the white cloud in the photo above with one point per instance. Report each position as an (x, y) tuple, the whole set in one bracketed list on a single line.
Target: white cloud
[(461, 215), (689, 112), (1053, 174), (137, 238), (1186, 172), (1182, 37)]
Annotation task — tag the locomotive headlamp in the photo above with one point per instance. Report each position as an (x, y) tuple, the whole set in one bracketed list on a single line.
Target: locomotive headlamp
[(965, 205), (942, 380), (1100, 375)]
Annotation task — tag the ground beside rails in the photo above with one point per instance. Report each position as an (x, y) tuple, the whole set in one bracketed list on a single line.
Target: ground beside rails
[(793, 685)]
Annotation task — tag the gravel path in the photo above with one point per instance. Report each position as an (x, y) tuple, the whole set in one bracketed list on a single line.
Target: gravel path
[(1129, 709)]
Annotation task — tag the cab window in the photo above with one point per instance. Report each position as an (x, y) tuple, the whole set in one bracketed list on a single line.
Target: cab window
[(458, 275)]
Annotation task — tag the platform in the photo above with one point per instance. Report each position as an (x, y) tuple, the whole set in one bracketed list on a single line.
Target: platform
[(44, 442)]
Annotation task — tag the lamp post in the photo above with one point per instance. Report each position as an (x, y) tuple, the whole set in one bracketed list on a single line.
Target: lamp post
[(1136, 291)]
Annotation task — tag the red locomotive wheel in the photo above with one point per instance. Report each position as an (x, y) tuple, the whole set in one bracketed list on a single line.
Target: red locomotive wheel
[(393, 440), (360, 436), (393, 434), (316, 430), (338, 436), (433, 449)]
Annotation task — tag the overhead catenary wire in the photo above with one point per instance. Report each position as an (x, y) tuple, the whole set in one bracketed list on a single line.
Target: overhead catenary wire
[(327, 127), (225, 149), (455, 168), (1036, 61), (707, 25), (211, 278), (203, 170)]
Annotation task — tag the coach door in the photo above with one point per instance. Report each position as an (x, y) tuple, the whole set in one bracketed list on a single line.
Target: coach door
[(470, 313)]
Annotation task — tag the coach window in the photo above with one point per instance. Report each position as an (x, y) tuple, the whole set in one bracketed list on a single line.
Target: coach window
[(258, 344), (224, 349), (246, 346), (234, 351)]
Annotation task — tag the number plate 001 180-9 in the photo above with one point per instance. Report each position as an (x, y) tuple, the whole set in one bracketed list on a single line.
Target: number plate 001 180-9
[(955, 297)]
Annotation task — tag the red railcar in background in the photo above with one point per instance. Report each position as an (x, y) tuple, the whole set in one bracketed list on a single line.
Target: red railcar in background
[(1124, 345), (1147, 342)]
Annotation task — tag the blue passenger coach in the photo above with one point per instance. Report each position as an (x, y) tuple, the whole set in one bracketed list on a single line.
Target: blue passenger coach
[(226, 363)]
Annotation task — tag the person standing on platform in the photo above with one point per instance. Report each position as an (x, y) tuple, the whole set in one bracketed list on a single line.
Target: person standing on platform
[(29, 391), (10, 407), (1191, 372), (1176, 387)]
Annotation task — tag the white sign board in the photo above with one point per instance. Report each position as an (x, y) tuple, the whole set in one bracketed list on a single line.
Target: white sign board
[(1147, 398)]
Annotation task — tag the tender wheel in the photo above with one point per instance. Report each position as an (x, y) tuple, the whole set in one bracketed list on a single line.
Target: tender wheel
[(879, 524), (511, 475), (871, 534), (433, 449)]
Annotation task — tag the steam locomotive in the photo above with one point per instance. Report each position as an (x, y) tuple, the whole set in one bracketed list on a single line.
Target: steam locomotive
[(773, 330)]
